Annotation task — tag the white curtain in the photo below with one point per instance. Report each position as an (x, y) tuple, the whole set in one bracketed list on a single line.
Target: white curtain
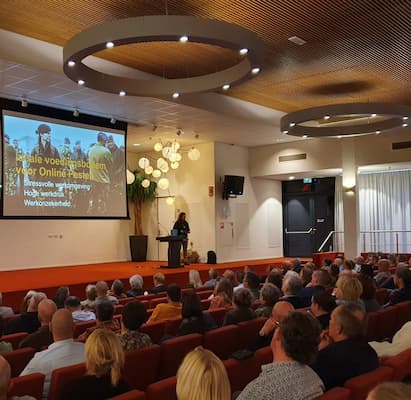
[(338, 239), (385, 205)]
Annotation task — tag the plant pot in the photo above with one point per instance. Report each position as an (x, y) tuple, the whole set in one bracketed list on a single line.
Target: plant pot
[(138, 247)]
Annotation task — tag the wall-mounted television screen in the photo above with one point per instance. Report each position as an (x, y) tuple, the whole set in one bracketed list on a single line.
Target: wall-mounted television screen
[(54, 168)]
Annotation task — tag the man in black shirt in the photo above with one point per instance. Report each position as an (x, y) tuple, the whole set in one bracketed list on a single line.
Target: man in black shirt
[(183, 230)]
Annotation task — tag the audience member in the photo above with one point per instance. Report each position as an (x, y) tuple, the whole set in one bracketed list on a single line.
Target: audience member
[(322, 305), (393, 260), (169, 310), (320, 279), (134, 315), (372, 259), (136, 286), (73, 304), (117, 289), (339, 261), (383, 272), (4, 311), (369, 290), (400, 342), (287, 266), (102, 295), (390, 391), (194, 279), (43, 336), (230, 275), (334, 273), (239, 278), (91, 295), (348, 266), (159, 285), (270, 294), (242, 308), (296, 265), (194, 320), (358, 262), (104, 361), (213, 274), (327, 263), (252, 283), (348, 291), (306, 273), (289, 377), (4, 346), (104, 315), (62, 353), (202, 376), (345, 352), (223, 295), (402, 280), (275, 277), (26, 301), (291, 288), (61, 295)]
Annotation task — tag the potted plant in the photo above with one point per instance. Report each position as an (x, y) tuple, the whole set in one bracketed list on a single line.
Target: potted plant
[(137, 195)]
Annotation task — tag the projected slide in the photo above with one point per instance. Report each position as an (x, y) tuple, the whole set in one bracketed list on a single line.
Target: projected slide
[(55, 168)]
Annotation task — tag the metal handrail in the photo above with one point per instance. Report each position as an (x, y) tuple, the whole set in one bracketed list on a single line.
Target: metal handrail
[(397, 232), (330, 234), (302, 232)]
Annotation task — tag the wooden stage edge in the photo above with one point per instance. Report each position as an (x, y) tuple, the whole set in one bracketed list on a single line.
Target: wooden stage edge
[(15, 284)]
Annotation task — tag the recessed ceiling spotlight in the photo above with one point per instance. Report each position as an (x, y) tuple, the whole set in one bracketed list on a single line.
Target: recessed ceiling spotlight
[(377, 132), (255, 70), (243, 51), (297, 40), (24, 103), (327, 117), (113, 120), (305, 136), (183, 39), (122, 93), (226, 86), (81, 82), (71, 63), (404, 125), (109, 45), (176, 95), (76, 113), (405, 118), (291, 178), (373, 115), (292, 124), (136, 144), (285, 131)]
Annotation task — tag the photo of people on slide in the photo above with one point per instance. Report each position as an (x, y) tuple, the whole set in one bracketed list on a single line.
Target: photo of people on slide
[(59, 170)]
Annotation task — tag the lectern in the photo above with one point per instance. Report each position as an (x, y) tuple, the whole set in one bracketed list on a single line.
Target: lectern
[(174, 246)]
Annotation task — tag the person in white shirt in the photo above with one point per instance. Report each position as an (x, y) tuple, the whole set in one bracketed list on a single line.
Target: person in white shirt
[(62, 353), (73, 304)]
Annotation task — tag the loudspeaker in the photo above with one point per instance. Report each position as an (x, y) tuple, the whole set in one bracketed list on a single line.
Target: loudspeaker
[(233, 186)]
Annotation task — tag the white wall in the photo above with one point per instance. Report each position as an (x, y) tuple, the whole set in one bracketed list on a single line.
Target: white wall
[(249, 226)]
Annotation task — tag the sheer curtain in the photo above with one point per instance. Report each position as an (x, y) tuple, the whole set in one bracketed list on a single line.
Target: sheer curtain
[(338, 215), (385, 205)]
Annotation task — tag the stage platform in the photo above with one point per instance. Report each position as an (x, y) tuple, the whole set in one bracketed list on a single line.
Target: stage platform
[(15, 284)]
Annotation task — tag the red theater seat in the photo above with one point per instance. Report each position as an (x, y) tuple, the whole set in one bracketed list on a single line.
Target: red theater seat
[(155, 330), (205, 303), (222, 341), (126, 300), (240, 373), (249, 331), (403, 311), (361, 385), (263, 356), (173, 352), (162, 390), (218, 315), (335, 394), (18, 359), (81, 327), (381, 296), (132, 395), (27, 385), (14, 338), (172, 326), (62, 376), (387, 323), (205, 294), (157, 301), (401, 364), (141, 366), (372, 325), (118, 309)]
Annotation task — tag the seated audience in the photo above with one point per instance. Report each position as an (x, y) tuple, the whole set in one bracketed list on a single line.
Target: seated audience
[(91, 296), (320, 280), (202, 376), (368, 295), (102, 295), (400, 342), (169, 310), (239, 277), (275, 277), (43, 336), (296, 265), (136, 286), (26, 301), (242, 308), (289, 377), (194, 320), (62, 353), (402, 280), (393, 260), (134, 315), (291, 288), (104, 315), (5, 382), (61, 295), (348, 266), (287, 266), (339, 261), (104, 361), (223, 295), (213, 274), (270, 294), (194, 279), (348, 291), (334, 273), (327, 263), (390, 391), (252, 283), (74, 306), (322, 306), (306, 273), (117, 289), (27, 321), (4, 311), (230, 275), (4, 346), (358, 262), (159, 285), (383, 272), (345, 352)]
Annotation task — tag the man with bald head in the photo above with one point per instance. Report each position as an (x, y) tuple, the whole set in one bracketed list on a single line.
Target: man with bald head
[(62, 353), (42, 337)]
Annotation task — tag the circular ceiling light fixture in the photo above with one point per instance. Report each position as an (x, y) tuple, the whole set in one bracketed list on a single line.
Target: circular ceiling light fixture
[(350, 119), (160, 28)]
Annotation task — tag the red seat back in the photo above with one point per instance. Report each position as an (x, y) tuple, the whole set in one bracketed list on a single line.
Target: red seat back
[(18, 359), (223, 341), (80, 327), (132, 395), (401, 364), (158, 300), (172, 326), (361, 385), (205, 294), (155, 330), (387, 323), (218, 315), (141, 366), (249, 331), (15, 338), (173, 352), (335, 394), (381, 295), (118, 309), (162, 390), (62, 376), (240, 373), (125, 300), (31, 384), (205, 303), (372, 325), (263, 356), (403, 311)]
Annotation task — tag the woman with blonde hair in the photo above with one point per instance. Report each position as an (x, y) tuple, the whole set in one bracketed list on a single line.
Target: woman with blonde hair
[(390, 391), (348, 291), (104, 361), (202, 376), (194, 279)]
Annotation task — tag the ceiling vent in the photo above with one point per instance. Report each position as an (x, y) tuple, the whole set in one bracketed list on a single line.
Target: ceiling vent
[(401, 145), (292, 157)]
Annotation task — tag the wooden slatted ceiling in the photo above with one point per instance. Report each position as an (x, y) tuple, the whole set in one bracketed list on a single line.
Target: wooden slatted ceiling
[(363, 47)]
